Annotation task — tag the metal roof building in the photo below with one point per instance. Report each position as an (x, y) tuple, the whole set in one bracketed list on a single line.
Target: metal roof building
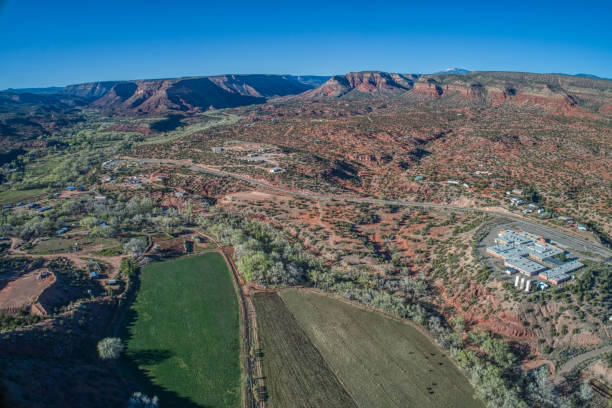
[(541, 251), (525, 266), (511, 237), (507, 251), (528, 235), (568, 267), (560, 273), (511, 244), (554, 278)]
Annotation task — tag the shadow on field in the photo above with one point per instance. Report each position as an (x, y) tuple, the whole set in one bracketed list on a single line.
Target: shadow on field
[(131, 362), (149, 357)]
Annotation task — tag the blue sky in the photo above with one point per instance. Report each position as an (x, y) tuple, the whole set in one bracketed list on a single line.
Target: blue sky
[(59, 42)]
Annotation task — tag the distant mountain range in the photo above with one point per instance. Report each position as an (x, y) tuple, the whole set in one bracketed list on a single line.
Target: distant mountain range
[(100, 88), (551, 92), (462, 71), (197, 94), (453, 71), (39, 91), (590, 76), (165, 95)]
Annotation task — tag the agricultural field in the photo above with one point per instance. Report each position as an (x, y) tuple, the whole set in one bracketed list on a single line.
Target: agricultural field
[(296, 374), (184, 333), (14, 196), (63, 244), (382, 362)]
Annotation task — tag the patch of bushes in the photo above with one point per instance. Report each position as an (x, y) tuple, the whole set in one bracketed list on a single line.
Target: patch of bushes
[(9, 322)]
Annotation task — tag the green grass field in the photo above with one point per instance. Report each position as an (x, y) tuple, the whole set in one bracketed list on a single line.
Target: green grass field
[(15, 196), (296, 375), (184, 333), (53, 245), (381, 361), (61, 244)]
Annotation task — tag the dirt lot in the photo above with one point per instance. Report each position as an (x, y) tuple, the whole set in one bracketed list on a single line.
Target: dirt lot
[(24, 291)]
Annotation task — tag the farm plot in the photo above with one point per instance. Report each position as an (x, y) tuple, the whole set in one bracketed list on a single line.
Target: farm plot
[(184, 333), (13, 196), (381, 361), (296, 374)]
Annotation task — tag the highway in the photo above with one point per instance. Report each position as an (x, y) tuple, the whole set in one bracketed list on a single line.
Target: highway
[(563, 239)]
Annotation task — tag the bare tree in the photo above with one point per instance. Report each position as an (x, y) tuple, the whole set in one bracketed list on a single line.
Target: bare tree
[(135, 247), (541, 390), (110, 348), (140, 400), (586, 392)]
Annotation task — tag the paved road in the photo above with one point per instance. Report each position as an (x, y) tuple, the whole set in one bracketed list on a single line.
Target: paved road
[(572, 363), (563, 238)]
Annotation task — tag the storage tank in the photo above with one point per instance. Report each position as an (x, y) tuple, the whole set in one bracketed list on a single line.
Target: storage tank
[(516, 281)]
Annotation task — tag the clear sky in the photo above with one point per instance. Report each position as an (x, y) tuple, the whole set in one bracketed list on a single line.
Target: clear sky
[(59, 42)]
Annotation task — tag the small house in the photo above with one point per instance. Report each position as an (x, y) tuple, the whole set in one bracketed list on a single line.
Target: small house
[(516, 201), (62, 230)]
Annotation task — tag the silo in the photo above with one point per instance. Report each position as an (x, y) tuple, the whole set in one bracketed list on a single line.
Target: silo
[(516, 281), (522, 285), (528, 286)]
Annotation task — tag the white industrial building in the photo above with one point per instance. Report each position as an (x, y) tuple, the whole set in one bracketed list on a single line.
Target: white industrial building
[(561, 273), (525, 266), (524, 252)]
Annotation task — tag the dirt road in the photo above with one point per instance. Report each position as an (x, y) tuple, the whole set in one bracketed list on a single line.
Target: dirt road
[(74, 257), (572, 363)]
